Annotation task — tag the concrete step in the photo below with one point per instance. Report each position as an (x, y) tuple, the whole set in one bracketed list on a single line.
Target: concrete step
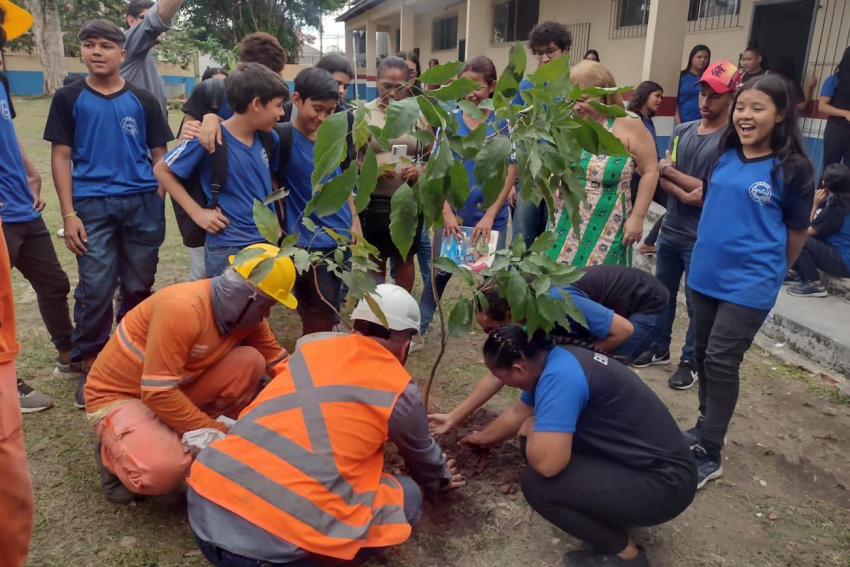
[(816, 328)]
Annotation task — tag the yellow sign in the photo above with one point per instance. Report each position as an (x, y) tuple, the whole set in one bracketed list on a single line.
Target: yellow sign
[(18, 20)]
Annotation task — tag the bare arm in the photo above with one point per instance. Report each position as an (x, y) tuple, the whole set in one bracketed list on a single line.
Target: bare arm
[(503, 427), (33, 180), (168, 9), (692, 198), (549, 452), (485, 225), (486, 388), (825, 106), (794, 245), (75, 233), (642, 147), (618, 333)]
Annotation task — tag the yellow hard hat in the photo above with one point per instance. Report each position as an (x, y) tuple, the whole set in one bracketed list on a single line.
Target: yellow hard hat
[(18, 20), (279, 281)]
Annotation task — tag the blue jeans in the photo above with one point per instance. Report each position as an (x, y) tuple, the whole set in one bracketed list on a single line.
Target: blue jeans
[(529, 219), (223, 558), (217, 258), (124, 235), (645, 326), (427, 303), (671, 263)]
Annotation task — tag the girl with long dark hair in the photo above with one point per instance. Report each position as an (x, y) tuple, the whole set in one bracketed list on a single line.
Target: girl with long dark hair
[(834, 101), (604, 454), (757, 204), (687, 101), (645, 102), (753, 63)]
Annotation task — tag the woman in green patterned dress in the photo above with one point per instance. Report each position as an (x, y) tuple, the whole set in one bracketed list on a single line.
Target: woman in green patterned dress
[(610, 223)]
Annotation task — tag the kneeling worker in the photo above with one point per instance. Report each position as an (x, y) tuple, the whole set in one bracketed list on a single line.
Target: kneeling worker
[(299, 476), (185, 356)]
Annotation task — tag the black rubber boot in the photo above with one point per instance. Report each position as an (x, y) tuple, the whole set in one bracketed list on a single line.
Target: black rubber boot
[(113, 489)]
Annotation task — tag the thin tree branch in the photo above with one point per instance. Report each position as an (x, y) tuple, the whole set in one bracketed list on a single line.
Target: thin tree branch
[(443, 337)]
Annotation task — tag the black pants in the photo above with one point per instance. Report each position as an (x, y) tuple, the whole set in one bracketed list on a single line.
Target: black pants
[(597, 499), (31, 251), (723, 332), (652, 237), (836, 142), (818, 255)]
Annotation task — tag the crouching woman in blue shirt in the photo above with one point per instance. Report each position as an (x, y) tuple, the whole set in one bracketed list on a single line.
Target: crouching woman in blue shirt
[(758, 201), (604, 454)]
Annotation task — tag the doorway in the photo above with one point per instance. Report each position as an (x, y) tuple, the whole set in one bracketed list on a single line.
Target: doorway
[(783, 30)]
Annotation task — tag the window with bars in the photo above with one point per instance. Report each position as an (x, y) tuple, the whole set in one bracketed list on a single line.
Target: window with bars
[(713, 14), (513, 20), (581, 41), (628, 18), (444, 33)]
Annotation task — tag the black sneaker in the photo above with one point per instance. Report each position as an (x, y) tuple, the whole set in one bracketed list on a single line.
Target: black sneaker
[(807, 289), (113, 489), (79, 397), (651, 357), (585, 558), (792, 278), (709, 467), (692, 435), (32, 400), (684, 377)]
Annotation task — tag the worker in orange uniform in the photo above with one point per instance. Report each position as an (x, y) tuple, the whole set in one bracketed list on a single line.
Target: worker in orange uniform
[(187, 355), (299, 476), (16, 498)]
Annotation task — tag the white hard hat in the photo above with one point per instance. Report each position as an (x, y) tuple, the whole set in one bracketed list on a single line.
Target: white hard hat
[(399, 307)]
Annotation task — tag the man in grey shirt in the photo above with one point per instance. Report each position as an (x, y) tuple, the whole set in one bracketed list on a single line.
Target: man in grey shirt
[(691, 154), (146, 22)]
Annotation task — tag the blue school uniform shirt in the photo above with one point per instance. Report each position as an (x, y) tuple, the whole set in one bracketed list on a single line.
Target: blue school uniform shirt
[(298, 171), (524, 85), (830, 84), (561, 394), (598, 317), (739, 254), (109, 136), (471, 212), (15, 194), (248, 178), (688, 98)]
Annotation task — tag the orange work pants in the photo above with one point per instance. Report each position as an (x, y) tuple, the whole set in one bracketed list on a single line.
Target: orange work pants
[(145, 453), (16, 499)]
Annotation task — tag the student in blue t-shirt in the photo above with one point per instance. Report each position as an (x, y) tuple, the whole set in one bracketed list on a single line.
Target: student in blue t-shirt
[(103, 129), (687, 107), (316, 98), (755, 217), (256, 95), (547, 41), (604, 454), (828, 246), (834, 101), (495, 217)]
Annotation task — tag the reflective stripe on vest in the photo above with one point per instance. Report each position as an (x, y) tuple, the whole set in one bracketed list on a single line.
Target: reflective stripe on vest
[(280, 509)]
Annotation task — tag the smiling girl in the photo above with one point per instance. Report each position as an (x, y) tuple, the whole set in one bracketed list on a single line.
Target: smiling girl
[(758, 201)]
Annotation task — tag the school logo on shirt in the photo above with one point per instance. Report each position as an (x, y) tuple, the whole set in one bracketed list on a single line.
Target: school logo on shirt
[(600, 358), (4, 110), (760, 192), (265, 157), (128, 124)]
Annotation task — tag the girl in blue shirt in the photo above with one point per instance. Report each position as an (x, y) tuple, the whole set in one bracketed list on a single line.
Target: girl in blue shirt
[(604, 454), (834, 101), (495, 217), (758, 200), (687, 107)]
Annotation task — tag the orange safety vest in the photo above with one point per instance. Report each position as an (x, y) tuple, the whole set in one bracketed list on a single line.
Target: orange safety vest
[(304, 461)]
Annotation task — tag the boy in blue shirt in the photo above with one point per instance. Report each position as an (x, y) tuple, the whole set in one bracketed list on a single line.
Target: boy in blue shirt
[(103, 129), (256, 95), (316, 97)]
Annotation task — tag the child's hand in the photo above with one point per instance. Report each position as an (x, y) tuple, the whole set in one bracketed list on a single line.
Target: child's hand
[(211, 220), (483, 228), (75, 235), (210, 132), (820, 197), (451, 226), (191, 130)]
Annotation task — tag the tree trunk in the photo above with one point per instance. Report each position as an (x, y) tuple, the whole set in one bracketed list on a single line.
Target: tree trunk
[(48, 39)]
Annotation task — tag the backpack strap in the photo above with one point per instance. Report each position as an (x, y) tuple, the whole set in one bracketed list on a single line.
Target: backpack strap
[(284, 132), (218, 176), (216, 94)]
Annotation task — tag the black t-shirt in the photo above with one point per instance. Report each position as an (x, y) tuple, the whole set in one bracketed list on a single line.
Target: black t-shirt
[(829, 220), (747, 77), (624, 290)]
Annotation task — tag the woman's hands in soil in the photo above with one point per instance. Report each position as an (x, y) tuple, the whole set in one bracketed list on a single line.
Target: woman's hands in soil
[(456, 481), (478, 439), (440, 423)]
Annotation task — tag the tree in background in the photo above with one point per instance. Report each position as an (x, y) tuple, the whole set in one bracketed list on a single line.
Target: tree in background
[(46, 34)]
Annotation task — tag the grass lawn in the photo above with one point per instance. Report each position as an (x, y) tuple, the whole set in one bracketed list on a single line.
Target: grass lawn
[(783, 500)]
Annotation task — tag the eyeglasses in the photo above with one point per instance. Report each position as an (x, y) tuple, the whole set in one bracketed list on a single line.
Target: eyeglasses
[(550, 53)]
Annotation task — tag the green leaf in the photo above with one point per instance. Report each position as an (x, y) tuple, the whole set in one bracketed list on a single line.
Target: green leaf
[(481, 302), (585, 135), (459, 188), (447, 265), (441, 73), (287, 246), (367, 180), (575, 92), (441, 163), (461, 317), (486, 104), (493, 158), (340, 239), (376, 309), (332, 131), (506, 87), (334, 194), (541, 285), (567, 304), (401, 116), (276, 196), (360, 132), (609, 144), (435, 114), (328, 163), (301, 259), (518, 59), (404, 219), (261, 270), (472, 143), (266, 222), (543, 242), (609, 109), (604, 91), (552, 70), (308, 224), (455, 90), (432, 194), (516, 294), (470, 109), (424, 137), (246, 254)]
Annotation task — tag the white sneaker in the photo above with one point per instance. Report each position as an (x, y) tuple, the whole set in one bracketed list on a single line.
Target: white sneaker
[(416, 343), (61, 233)]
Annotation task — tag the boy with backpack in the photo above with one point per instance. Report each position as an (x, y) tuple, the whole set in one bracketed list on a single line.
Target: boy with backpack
[(239, 170), (103, 129)]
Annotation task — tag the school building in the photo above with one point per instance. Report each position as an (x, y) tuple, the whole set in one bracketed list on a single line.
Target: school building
[(636, 39)]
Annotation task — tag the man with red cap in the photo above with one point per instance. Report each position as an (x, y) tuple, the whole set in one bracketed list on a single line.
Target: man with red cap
[(690, 155)]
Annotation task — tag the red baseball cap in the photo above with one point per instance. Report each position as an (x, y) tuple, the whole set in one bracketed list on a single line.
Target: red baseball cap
[(721, 76)]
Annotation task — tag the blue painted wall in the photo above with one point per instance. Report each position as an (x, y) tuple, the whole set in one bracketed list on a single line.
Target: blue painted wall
[(31, 83)]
